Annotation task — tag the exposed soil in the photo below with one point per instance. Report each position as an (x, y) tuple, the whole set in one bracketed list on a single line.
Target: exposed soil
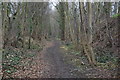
[(53, 62), (49, 63), (55, 66)]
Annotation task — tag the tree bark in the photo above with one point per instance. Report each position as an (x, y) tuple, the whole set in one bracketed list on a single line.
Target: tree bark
[(1, 44)]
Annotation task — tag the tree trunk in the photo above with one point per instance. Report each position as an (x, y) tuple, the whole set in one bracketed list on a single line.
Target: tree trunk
[(83, 35), (62, 16), (90, 33), (1, 44)]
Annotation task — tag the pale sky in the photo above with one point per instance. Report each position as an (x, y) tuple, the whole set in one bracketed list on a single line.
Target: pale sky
[(59, 0)]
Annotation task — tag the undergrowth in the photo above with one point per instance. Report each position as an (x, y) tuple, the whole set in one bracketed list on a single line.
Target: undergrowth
[(105, 59), (116, 15), (13, 59)]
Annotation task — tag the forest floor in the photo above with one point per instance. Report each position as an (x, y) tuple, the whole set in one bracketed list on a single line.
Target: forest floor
[(52, 62), (48, 63)]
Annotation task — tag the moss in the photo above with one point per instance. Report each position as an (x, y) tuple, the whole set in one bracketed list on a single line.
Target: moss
[(116, 15)]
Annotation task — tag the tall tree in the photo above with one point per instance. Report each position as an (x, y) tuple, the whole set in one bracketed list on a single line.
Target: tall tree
[(62, 19), (90, 20), (1, 41)]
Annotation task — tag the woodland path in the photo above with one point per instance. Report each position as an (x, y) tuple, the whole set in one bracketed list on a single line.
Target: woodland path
[(55, 67), (49, 63)]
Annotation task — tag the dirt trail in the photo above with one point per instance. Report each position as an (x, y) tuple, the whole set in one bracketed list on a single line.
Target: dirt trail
[(49, 63), (54, 65)]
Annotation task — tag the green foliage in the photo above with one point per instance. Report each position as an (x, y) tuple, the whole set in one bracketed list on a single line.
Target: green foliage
[(103, 59), (116, 15), (106, 60), (13, 59), (31, 55), (36, 47), (109, 65), (104, 56), (70, 46), (75, 52)]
